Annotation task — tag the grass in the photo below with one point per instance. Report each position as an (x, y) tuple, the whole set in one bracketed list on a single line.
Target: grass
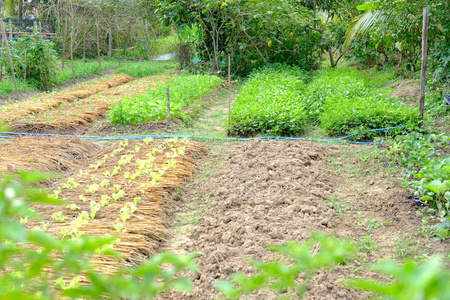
[(7, 86)]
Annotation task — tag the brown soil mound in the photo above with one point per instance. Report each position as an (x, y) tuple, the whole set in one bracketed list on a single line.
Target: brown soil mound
[(45, 102), (407, 89), (45, 154), (270, 192)]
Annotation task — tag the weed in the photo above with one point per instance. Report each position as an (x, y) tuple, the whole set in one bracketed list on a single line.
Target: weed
[(367, 244)]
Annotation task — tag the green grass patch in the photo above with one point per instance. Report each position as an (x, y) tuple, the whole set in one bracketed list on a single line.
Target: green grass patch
[(185, 91), (268, 103), (7, 86), (146, 68), (82, 70)]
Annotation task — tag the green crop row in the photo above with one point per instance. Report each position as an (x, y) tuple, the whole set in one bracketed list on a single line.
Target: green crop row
[(268, 103), (341, 101), (185, 91)]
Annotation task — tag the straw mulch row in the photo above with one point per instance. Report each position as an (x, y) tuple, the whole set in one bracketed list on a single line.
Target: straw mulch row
[(124, 194), (76, 116), (47, 101), (45, 154)]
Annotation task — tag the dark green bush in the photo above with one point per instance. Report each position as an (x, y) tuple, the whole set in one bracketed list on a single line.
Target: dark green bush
[(34, 59), (269, 103)]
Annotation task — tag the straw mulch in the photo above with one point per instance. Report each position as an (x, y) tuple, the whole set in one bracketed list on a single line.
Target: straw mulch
[(47, 101), (45, 154), (82, 113), (146, 229)]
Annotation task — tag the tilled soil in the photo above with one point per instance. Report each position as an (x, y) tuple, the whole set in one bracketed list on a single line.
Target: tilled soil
[(270, 192)]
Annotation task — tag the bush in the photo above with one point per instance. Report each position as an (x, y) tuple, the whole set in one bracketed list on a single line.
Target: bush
[(184, 92), (34, 59), (268, 103)]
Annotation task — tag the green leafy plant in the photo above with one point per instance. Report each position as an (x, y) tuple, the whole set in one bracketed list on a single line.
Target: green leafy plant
[(268, 103), (185, 91), (412, 280), (34, 59)]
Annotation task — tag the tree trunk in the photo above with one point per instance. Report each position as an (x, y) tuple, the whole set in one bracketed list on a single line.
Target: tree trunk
[(98, 52), (19, 13), (71, 53), (64, 46), (84, 48), (118, 47), (109, 42), (331, 58)]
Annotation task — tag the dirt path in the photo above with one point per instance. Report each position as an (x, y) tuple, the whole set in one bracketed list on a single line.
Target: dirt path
[(259, 193)]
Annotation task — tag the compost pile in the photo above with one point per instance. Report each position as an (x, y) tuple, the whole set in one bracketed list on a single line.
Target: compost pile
[(123, 193), (265, 193)]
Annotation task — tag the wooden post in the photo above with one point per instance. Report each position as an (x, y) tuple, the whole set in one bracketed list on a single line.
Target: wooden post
[(109, 42), (229, 90), (1, 65), (168, 108), (9, 57), (423, 76)]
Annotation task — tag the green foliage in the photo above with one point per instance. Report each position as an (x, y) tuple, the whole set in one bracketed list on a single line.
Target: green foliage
[(34, 60), (185, 91), (40, 266), (427, 173), (412, 280), (281, 276), (268, 103), (251, 31)]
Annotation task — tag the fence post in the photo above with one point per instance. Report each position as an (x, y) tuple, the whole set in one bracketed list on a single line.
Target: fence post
[(229, 90), (10, 59), (168, 108), (423, 76)]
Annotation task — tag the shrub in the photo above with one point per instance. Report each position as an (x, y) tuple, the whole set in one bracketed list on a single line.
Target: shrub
[(268, 103), (185, 91), (34, 59)]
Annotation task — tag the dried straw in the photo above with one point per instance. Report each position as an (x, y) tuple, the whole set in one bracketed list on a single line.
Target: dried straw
[(45, 154)]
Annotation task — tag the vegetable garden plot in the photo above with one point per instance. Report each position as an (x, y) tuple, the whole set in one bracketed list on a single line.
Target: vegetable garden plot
[(44, 102), (69, 116), (44, 154), (124, 194)]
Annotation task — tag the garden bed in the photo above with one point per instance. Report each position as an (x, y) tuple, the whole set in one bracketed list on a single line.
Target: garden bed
[(77, 116), (122, 192), (262, 193)]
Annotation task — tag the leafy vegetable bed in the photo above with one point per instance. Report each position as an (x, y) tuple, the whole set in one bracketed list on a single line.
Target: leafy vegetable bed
[(276, 101), (124, 194), (185, 92)]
